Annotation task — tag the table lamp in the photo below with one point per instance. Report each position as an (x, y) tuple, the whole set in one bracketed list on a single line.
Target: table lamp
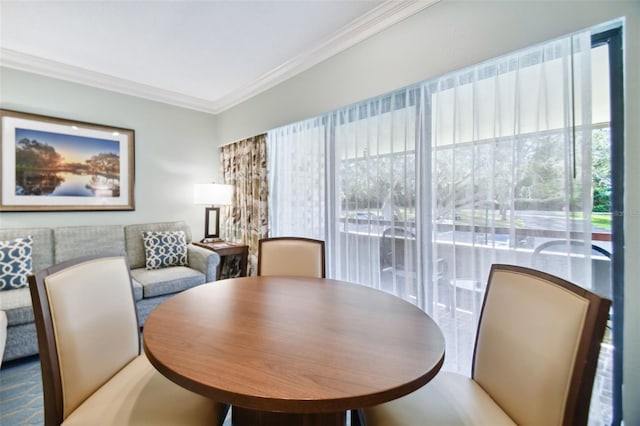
[(213, 194)]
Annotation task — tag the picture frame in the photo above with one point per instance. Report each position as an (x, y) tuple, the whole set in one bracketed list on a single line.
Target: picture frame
[(55, 164), (212, 222)]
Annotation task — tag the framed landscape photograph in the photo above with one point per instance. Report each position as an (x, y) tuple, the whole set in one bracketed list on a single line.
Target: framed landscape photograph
[(53, 164)]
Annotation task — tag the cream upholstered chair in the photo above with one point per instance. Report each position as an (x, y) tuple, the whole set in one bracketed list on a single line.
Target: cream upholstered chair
[(292, 256), (92, 369), (534, 360)]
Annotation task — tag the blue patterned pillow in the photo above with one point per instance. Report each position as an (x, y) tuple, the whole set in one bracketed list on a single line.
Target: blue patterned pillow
[(15, 263), (164, 249)]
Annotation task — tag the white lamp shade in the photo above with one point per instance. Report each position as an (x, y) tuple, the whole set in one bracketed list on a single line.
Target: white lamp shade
[(213, 194)]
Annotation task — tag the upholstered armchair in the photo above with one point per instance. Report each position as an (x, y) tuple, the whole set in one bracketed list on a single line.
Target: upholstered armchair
[(534, 363), (93, 371)]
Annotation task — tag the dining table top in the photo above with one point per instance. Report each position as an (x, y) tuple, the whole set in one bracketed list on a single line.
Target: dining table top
[(293, 344)]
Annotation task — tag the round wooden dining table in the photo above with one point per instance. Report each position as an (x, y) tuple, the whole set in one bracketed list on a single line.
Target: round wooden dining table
[(293, 350)]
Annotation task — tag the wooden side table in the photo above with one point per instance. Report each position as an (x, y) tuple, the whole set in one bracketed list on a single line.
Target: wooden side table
[(228, 252)]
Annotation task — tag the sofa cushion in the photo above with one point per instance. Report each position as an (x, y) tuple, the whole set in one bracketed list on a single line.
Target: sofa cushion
[(163, 249), (15, 263), (42, 246), (17, 304), (77, 241), (157, 282), (135, 244)]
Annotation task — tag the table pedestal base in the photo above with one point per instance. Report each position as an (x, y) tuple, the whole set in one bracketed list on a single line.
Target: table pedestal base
[(245, 417)]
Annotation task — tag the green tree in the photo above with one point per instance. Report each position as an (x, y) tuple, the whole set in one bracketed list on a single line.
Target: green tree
[(601, 170), (106, 162), (31, 154)]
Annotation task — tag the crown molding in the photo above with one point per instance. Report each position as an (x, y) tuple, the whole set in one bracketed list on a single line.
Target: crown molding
[(387, 14), (378, 19), (38, 65)]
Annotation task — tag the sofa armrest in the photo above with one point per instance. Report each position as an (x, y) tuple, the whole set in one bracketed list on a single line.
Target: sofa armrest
[(3, 333), (203, 260)]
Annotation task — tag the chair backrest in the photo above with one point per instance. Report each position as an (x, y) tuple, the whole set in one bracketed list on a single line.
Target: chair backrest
[(291, 256), (87, 328), (537, 345)]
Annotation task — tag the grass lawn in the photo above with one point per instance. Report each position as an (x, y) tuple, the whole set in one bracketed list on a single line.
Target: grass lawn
[(601, 220), (477, 216)]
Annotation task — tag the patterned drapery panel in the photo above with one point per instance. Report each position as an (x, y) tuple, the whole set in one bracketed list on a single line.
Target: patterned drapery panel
[(244, 165)]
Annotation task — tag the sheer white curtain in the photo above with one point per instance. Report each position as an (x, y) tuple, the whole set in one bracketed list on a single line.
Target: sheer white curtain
[(511, 160), (374, 196), (346, 178), (419, 191), (296, 159)]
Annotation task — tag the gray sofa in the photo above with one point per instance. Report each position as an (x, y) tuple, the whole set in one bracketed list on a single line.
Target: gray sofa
[(151, 287)]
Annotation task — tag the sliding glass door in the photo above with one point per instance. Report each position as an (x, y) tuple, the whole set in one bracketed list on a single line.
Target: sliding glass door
[(510, 142), (417, 192)]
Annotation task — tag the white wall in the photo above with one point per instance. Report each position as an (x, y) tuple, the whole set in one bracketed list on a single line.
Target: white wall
[(174, 148), (447, 36)]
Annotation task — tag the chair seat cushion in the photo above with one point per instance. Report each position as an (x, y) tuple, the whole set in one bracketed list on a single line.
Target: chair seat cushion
[(449, 399), (140, 395), (157, 282)]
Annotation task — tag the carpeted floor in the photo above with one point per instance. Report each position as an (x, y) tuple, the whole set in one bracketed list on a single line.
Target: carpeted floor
[(21, 393)]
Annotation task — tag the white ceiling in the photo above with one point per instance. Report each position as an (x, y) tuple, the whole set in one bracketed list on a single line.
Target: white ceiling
[(204, 55)]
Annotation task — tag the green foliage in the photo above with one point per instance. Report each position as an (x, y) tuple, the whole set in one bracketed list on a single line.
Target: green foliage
[(31, 154), (107, 163), (601, 170), (601, 199), (374, 182), (526, 173)]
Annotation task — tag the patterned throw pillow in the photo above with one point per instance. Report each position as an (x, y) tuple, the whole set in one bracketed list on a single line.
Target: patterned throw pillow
[(164, 249), (15, 263)]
